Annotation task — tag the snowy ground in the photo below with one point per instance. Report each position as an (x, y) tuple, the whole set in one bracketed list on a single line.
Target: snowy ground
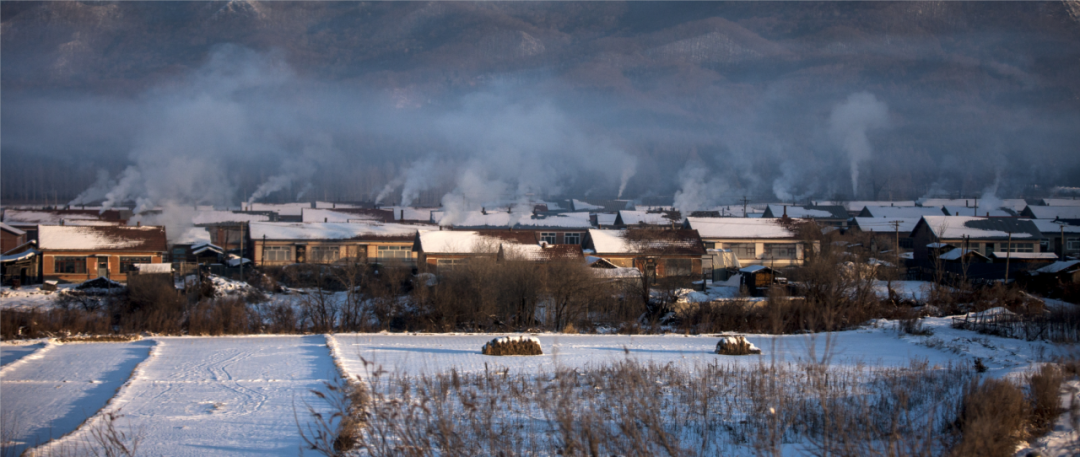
[(221, 396), (12, 352), (50, 392), (29, 296)]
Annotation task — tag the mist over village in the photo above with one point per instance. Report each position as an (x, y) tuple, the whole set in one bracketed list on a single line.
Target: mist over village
[(540, 228)]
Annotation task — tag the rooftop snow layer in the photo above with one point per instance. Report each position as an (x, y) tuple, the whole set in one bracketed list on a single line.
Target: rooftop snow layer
[(738, 227), (801, 212), (886, 224), (1061, 202), (579, 220), (647, 218), (1049, 227), (218, 217), (901, 211), (74, 238), (148, 268), (331, 231), (979, 211), (46, 217), (469, 242), (11, 229), (1055, 212), (1058, 267), (957, 227), (859, 205), (1026, 255), (343, 215)]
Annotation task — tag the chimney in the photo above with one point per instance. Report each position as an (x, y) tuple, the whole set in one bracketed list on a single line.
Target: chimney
[(333, 205), (138, 223), (61, 222), (785, 210), (966, 204), (402, 215), (483, 210), (326, 219)]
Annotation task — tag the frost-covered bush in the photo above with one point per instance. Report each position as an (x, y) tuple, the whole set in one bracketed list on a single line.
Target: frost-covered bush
[(513, 345), (736, 345)]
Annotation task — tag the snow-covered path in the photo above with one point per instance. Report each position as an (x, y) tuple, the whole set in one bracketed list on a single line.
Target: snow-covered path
[(222, 396), (49, 392)]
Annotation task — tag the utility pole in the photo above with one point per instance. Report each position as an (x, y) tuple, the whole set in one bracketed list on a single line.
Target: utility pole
[(744, 202), (896, 225), (1008, 255), (241, 251), (1062, 224)]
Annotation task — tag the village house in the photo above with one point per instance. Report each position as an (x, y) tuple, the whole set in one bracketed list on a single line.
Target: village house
[(28, 220), (1058, 234), (753, 241), (912, 212), (887, 231), (970, 205), (79, 253), (825, 216), (346, 215), (656, 218), (1060, 201), (445, 250), (656, 252), (229, 229), (18, 258), (284, 243), (1052, 212), (986, 235), (10, 238), (557, 228), (977, 211), (855, 207)]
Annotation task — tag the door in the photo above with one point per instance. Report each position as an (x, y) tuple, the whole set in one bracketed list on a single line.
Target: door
[(103, 267)]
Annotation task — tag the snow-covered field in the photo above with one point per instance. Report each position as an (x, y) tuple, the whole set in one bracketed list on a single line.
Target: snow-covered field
[(51, 391), (222, 396), (238, 395)]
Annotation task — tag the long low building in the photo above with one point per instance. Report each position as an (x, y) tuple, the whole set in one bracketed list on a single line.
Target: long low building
[(754, 241), (283, 243), (78, 253)]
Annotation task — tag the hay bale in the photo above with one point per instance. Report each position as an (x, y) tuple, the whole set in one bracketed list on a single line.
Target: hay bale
[(512, 345), (736, 345)]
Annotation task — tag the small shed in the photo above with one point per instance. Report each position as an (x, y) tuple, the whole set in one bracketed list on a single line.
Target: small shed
[(758, 279)]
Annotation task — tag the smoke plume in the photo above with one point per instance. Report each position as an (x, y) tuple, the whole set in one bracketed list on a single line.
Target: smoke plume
[(849, 124)]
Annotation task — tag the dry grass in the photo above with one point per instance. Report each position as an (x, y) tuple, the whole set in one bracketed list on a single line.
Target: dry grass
[(99, 339), (1044, 387), (512, 347), (991, 419), (632, 408)]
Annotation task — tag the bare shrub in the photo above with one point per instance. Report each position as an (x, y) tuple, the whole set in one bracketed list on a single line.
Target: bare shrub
[(1044, 387), (221, 316), (991, 419), (108, 440), (736, 345), (511, 345), (37, 323)]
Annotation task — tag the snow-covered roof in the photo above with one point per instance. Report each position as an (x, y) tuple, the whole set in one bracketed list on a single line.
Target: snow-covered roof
[(203, 247), (89, 222), (647, 218), (609, 241), (955, 254), (11, 229), (333, 215), (478, 219), (147, 268), (886, 224), (1026, 255), (1061, 202), (283, 209), (617, 273), (333, 205), (858, 205), (635, 241), (219, 217), (901, 211), (17, 257), (46, 217), (957, 227), (738, 227), (979, 212), (331, 231), (752, 268), (1055, 212), (541, 252), (1058, 267), (471, 242), (112, 238), (1049, 227), (410, 214), (939, 202), (806, 212)]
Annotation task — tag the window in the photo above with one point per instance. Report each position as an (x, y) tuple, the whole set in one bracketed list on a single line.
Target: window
[(277, 254), (709, 245), (127, 264), (445, 265), (1020, 247), (572, 238), (69, 264), (780, 251), (743, 250), (324, 254), (394, 252), (548, 236), (907, 243), (678, 267), (1072, 245), (989, 249)]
